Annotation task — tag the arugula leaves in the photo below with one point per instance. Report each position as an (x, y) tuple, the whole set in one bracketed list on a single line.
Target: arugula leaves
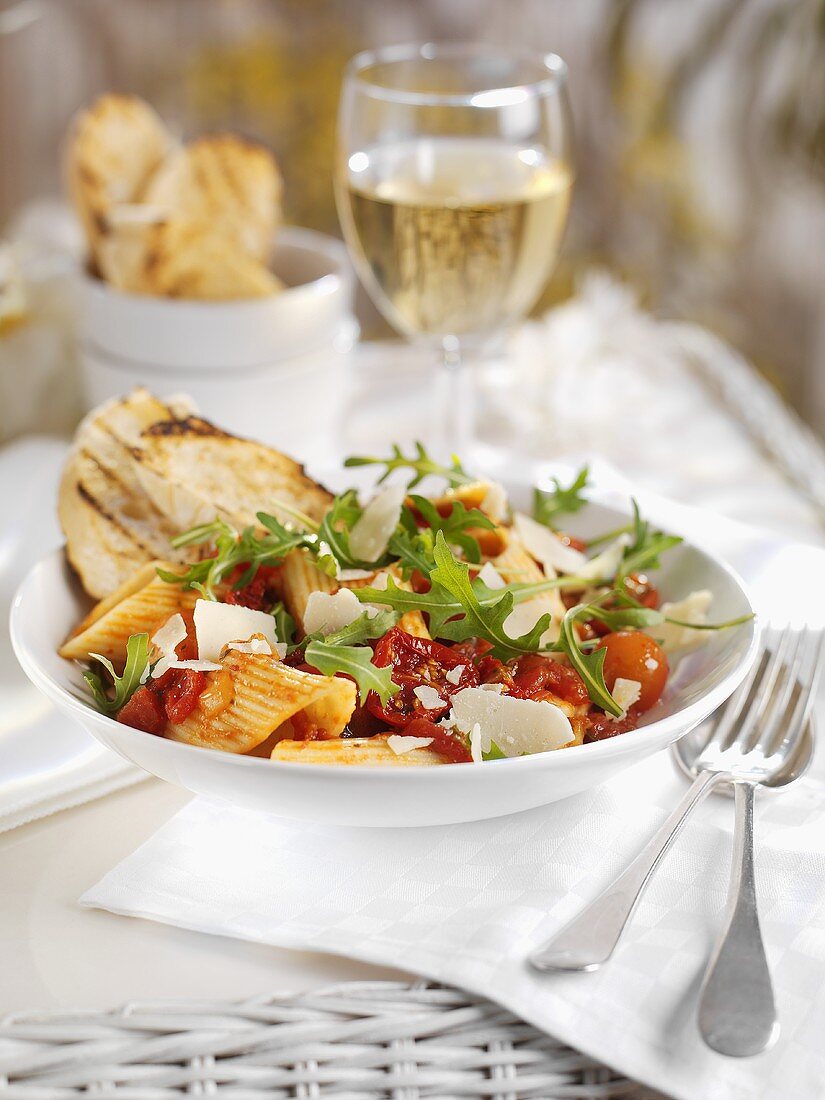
[(284, 625), (137, 663), (589, 665), (355, 661), (456, 525), (364, 629), (549, 504), (478, 621), (231, 550), (647, 546), (333, 546), (420, 463)]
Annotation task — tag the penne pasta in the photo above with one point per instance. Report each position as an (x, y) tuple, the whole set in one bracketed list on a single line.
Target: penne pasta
[(141, 604), (267, 693), (300, 577), (370, 752), (516, 566), (474, 495)]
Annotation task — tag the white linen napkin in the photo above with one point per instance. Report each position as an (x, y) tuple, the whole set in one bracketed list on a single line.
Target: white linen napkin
[(466, 903)]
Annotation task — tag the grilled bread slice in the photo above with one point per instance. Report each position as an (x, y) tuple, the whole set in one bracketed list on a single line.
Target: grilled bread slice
[(113, 149), (178, 258), (144, 470), (225, 183), (111, 525), (110, 533), (193, 471)]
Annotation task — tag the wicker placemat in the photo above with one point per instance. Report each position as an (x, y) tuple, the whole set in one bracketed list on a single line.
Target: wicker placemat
[(356, 1040)]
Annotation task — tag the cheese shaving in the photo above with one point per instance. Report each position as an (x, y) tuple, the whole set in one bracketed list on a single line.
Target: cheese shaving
[(475, 744), (428, 697), (547, 548), (625, 694), (326, 613), (372, 531), (491, 576), (401, 744), (170, 635)]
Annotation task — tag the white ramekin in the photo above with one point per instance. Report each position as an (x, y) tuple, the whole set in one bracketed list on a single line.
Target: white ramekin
[(270, 368)]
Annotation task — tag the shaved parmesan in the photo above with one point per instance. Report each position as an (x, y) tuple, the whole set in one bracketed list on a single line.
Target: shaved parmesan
[(381, 581), (162, 667), (475, 744), (491, 576), (401, 744), (605, 565), (217, 624), (170, 635), (166, 663), (625, 694), (198, 666), (353, 574), (692, 609), (547, 548), (494, 503), (524, 617), (455, 674), (428, 697), (371, 533), (497, 688), (326, 613), (259, 644), (516, 725)]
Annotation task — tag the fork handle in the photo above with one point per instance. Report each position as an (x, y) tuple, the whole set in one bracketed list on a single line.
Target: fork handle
[(737, 1011), (589, 939)]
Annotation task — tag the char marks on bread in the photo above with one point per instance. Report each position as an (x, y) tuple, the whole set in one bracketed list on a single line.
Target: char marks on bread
[(142, 471)]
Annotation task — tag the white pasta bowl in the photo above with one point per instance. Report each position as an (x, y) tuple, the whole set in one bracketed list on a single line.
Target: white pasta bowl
[(50, 602)]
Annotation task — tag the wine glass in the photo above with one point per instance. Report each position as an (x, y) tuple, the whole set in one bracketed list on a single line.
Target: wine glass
[(453, 181)]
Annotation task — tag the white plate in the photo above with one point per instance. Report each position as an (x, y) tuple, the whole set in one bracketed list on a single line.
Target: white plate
[(46, 763), (50, 602)]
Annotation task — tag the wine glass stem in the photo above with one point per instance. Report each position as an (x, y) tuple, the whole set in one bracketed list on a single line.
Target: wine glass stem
[(455, 400)]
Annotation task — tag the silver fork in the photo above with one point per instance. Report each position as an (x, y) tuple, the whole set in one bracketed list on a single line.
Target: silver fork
[(761, 736)]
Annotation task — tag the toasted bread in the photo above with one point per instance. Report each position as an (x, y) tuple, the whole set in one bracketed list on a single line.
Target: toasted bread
[(114, 147), (181, 259), (193, 471), (110, 533), (225, 183), (143, 470), (111, 525)]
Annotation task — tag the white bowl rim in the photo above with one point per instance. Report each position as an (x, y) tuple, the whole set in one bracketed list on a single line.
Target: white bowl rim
[(686, 718), (294, 236)]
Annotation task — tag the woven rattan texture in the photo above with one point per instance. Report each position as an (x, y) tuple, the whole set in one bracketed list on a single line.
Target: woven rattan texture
[(359, 1040)]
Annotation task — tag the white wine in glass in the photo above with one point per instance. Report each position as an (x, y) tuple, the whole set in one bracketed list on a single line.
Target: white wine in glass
[(453, 184)]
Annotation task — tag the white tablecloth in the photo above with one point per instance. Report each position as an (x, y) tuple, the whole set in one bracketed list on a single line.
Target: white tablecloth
[(651, 418)]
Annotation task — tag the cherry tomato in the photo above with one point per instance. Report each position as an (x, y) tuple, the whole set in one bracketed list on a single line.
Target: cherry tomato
[(600, 727), (642, 590), (633, 655), (418, 662), (535, 676), (181, 697), (144, 711), (260, 593), (453, 749)]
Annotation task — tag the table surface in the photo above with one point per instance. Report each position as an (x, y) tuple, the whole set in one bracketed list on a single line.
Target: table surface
[(56, 954)]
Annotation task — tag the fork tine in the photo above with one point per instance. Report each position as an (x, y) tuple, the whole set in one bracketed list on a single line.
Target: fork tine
[(743, 705), (721, 721), (808, 679), (785, 692)]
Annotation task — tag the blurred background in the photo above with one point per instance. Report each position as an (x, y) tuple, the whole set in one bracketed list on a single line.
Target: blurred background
[(700, 135)]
